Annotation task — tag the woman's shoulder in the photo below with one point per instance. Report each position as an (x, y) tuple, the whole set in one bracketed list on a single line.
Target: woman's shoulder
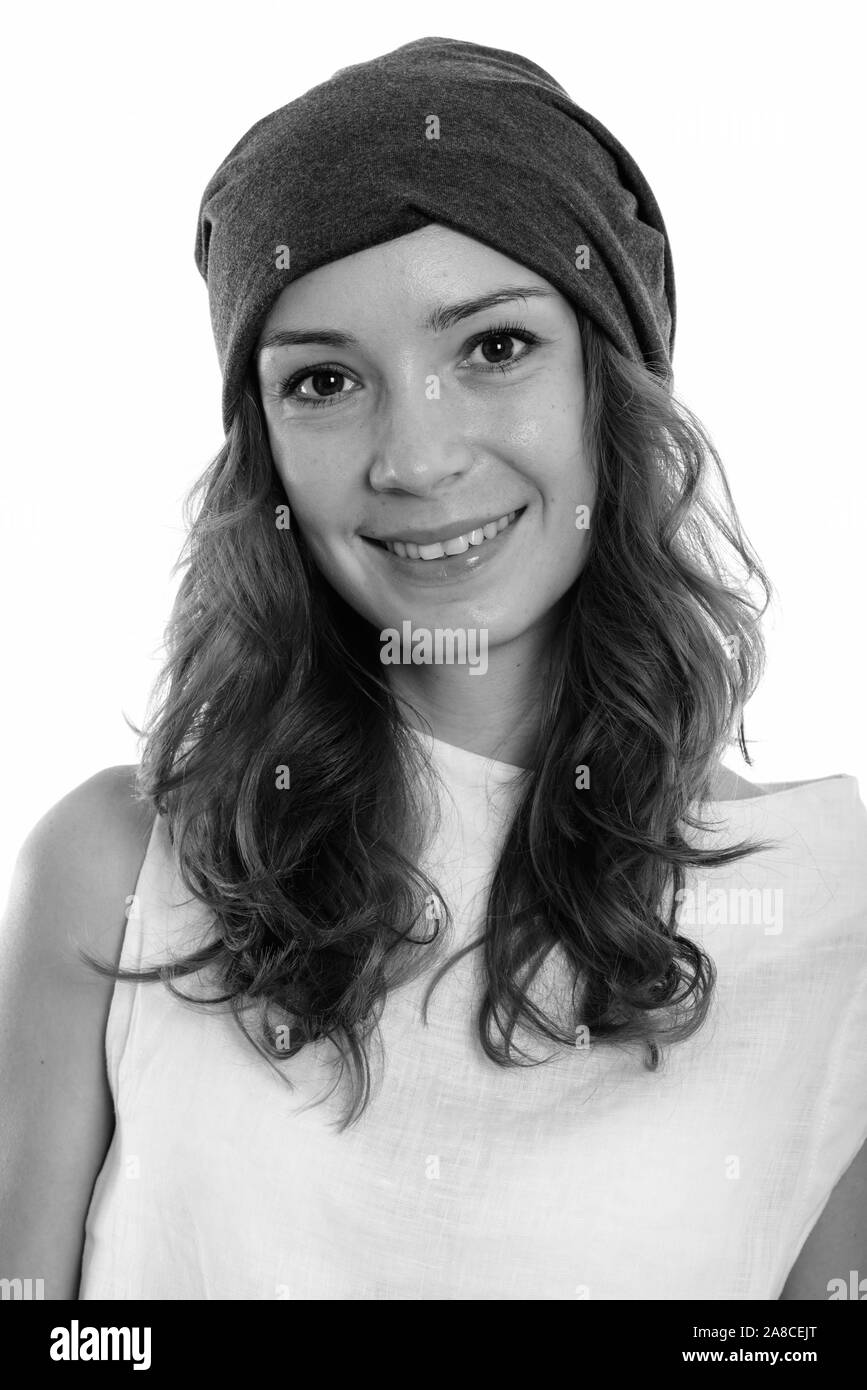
[(728, 786), (813, 838), (70, 882), (99, 823), (80, 862)]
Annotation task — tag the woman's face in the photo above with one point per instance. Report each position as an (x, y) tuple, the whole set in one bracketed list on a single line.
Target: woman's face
[(384, 427)]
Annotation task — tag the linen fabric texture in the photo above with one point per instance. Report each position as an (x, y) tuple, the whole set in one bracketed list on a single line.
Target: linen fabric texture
[(445, 131), (585, 1176)]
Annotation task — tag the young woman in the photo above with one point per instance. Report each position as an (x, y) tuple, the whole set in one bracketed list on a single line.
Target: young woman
[(482, 978)]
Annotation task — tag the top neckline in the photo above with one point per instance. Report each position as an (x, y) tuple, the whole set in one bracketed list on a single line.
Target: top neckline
[(465, 766)]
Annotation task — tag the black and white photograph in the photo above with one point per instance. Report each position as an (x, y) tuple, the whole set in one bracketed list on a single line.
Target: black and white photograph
[(435, 848)]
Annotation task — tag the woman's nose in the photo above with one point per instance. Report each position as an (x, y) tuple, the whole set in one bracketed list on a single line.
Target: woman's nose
[(422, 438)]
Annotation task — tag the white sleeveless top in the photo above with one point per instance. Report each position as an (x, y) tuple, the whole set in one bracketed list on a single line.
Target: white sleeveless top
[(585, 1177)]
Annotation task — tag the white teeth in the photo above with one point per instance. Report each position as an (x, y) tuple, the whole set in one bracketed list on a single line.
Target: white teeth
[(456, 545)]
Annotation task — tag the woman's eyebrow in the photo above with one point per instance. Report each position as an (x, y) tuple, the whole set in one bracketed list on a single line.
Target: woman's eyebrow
[(442, 317), (445, 315)]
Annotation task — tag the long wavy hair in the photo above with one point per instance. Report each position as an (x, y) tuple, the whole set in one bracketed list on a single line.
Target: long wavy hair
[(316, 892)]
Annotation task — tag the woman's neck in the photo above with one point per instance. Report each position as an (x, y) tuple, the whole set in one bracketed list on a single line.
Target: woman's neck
[(495, 714)]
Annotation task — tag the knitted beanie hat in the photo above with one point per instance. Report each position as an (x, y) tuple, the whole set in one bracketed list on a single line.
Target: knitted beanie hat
[(437, 131)]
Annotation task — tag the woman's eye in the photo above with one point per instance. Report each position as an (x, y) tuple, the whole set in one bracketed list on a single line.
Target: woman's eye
[(323, 384), (498, 347), (324, 388)]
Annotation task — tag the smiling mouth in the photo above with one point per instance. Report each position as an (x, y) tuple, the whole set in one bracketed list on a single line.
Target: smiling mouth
[(453, 545)]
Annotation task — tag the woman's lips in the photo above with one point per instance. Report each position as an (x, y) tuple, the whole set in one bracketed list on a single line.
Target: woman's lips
[(455, 542), (447, 568)]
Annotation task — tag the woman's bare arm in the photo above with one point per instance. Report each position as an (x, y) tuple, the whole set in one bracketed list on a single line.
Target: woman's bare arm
[(72, 876), (837, 1244)]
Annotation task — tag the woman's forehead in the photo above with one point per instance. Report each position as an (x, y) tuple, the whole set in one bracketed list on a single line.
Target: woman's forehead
[(434, 266)]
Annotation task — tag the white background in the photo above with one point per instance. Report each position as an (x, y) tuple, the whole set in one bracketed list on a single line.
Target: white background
[(748, 122)]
